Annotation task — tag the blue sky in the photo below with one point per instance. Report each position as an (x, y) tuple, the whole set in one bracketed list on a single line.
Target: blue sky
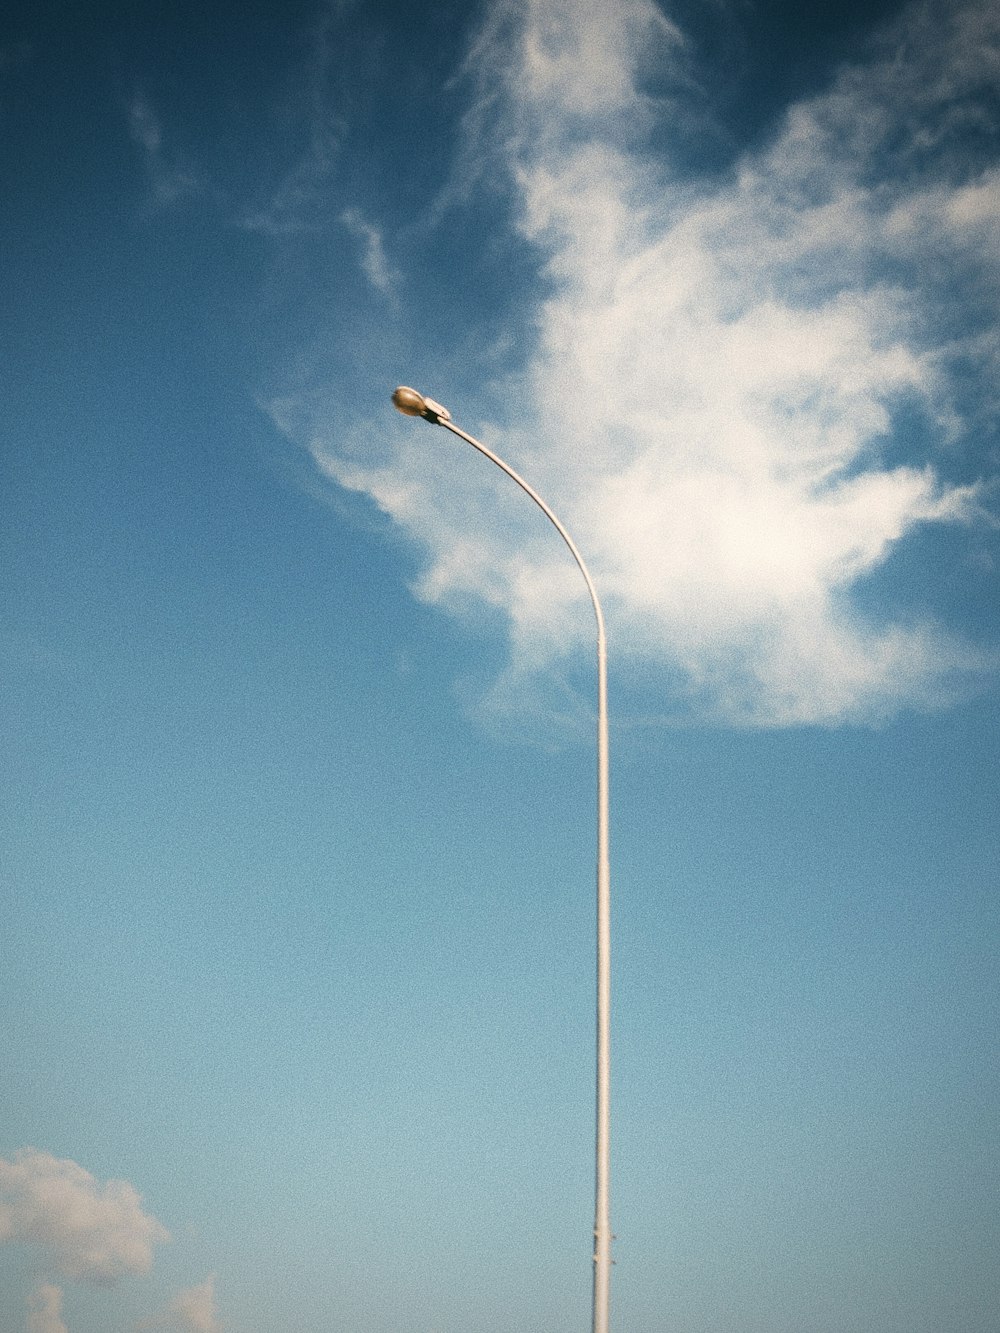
[(297, 821)]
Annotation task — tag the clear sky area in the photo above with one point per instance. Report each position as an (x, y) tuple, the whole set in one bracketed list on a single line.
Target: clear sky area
[(298, 694)]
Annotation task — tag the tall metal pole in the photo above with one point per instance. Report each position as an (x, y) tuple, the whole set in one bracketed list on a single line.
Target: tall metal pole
[(414, 404)]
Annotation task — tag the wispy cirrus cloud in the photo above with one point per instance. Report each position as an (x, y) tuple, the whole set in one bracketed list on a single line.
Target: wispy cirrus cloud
[(722, 369), (300, 199), (374, 262), (170, 178)]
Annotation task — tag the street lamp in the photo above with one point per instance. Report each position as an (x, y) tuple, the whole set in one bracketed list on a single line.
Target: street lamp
[(413, 404)]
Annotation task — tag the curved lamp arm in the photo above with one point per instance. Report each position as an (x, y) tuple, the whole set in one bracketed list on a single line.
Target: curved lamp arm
[(414, 404)]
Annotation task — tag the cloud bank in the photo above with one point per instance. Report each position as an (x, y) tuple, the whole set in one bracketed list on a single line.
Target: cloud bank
[(739, 388)]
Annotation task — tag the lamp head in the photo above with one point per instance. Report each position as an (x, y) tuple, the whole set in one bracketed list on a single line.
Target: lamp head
[(413, 404)]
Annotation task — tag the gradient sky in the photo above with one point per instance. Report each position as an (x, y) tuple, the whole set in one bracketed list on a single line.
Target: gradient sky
[(297, 825)]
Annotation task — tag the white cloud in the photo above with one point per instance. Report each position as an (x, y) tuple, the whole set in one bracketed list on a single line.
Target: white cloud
[(45, 1310), (191, 1311), (170, 179), (299, 200), (570, 55), (720, 367), (374, 263), (84, 1229)]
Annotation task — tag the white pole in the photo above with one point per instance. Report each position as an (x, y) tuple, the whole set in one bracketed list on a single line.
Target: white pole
[(411, 403)]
